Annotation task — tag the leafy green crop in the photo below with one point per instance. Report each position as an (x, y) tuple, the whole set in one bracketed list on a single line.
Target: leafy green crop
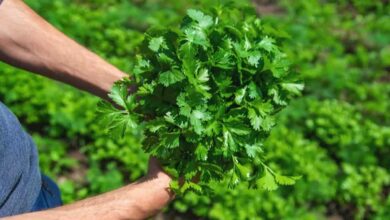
[(345, 70), (207, 95)]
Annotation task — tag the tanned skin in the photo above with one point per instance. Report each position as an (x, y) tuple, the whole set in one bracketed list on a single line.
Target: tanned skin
[(27, 41)]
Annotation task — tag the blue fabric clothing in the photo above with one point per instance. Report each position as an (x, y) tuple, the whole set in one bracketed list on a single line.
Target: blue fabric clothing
[(20, 178), (49, 196), (22, 188)]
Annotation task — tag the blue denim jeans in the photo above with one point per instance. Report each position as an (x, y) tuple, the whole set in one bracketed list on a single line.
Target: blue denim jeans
[(49, 197)]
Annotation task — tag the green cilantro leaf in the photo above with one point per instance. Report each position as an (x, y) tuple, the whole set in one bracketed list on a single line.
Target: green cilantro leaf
[(156, 43), (203, 20), (208, 94), (170, 77)]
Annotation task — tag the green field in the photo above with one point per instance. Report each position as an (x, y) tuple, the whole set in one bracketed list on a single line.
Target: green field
[(336, 135)]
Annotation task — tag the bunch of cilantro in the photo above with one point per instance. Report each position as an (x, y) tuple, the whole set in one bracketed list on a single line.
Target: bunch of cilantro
[(207, 96)]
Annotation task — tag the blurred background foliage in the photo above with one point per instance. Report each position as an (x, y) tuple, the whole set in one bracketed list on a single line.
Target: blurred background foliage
[(337, 136)]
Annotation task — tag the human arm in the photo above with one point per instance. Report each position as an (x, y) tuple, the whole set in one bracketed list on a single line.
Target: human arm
[(27, 41), (139, 200)]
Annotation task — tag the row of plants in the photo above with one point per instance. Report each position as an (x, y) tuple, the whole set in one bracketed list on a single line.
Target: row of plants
[(336, 136)]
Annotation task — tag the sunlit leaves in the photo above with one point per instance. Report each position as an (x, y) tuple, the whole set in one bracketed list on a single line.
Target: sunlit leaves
[(170, 77), (239, 95), (268, 44), (203, 20), (268, 181), (294, 88), (286, 180), (118, 95), (207, 99), (253, 150), (156, 43), (255, 119), (195, 36)]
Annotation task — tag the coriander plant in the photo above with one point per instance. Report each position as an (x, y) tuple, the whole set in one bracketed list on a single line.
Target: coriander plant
[(207, 96)]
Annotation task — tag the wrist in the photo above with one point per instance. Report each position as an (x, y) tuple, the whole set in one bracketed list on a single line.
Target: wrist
[(147, 196), (105, 84), (111, 78)]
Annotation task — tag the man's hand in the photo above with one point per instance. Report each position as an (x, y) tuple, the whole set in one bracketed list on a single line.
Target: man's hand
[(29, 42), (157, 179), (139, 200)]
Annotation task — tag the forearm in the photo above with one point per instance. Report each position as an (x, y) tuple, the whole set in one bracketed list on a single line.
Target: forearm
[(137, 201), (29, 42)]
